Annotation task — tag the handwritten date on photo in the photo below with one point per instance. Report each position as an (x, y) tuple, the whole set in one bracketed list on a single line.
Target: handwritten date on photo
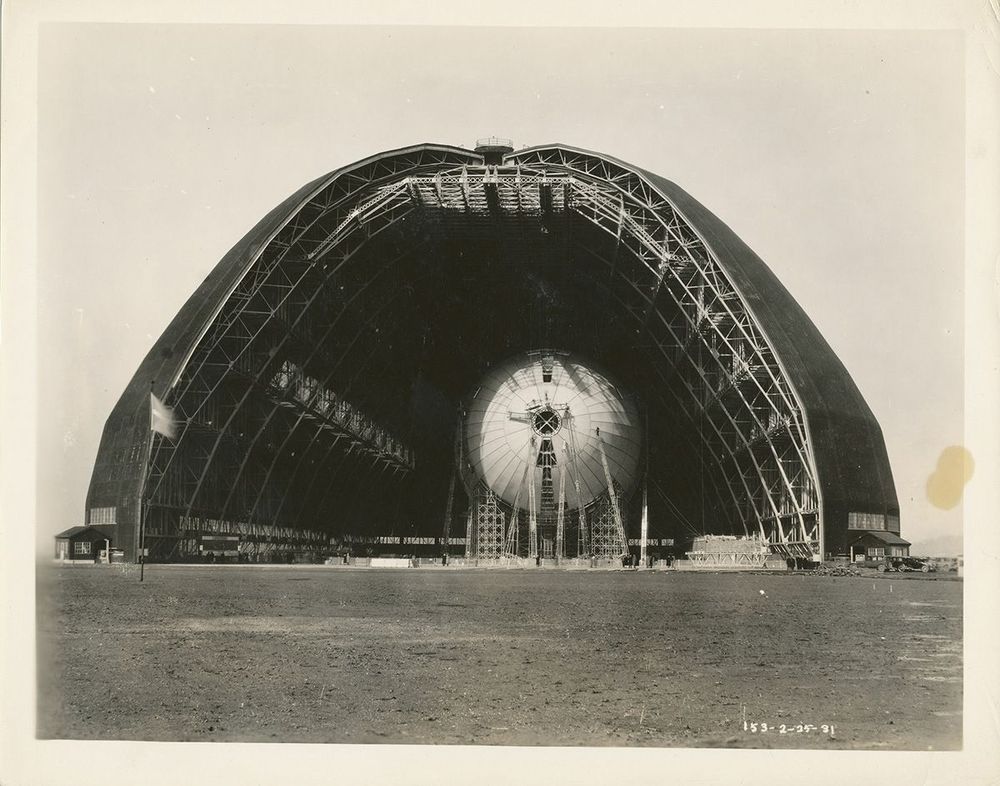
[(788, 728)]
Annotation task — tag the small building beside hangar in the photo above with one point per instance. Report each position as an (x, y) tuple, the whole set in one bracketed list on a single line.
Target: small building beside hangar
[(81, 543), (877, 545)]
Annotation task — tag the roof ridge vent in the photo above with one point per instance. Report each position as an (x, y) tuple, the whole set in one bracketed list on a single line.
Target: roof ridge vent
[(494, 148)]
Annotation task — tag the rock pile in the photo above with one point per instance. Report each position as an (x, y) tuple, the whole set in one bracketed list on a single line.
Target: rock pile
[(834, 570)]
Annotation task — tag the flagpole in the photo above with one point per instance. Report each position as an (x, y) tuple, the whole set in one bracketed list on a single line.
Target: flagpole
[(142, 491)]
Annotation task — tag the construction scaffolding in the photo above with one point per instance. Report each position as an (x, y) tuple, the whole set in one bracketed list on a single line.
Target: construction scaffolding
[(608, 541), (490, 533)]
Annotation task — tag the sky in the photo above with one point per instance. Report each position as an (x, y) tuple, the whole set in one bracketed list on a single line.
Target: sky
[(838, 156)]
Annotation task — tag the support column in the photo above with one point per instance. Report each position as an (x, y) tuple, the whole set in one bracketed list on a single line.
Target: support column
[(561, 518), (469, 553), (645, 527), (447, 516), (532, 520)]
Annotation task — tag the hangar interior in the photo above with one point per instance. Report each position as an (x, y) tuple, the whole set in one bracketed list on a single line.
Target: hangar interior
[(323, 375)]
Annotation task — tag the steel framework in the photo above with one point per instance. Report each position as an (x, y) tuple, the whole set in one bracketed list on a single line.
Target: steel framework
[(490, 534), (724, 374), (291, 387), (608, 541)]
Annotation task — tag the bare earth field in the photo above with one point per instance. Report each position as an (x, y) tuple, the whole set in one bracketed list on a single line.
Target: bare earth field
[(321, 654)]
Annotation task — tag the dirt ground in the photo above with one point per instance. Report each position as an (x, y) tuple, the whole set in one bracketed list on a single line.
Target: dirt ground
[(526, 657)]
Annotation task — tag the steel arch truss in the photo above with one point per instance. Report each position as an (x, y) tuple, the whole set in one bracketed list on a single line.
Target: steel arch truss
[(264, 396)]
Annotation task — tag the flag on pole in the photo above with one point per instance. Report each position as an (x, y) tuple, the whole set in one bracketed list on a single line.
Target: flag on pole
[(161, 418)]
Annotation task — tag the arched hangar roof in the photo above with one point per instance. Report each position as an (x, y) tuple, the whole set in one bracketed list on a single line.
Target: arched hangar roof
[(362, 308)]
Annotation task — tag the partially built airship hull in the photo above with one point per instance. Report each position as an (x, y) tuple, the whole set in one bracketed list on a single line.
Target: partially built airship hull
[(545, 412)]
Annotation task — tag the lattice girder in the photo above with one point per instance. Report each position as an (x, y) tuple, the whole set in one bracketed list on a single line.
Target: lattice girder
[(606, 537), (313, 278), (491, 533)]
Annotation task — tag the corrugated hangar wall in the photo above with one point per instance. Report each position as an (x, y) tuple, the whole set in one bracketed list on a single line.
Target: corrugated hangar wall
[(316, 373)]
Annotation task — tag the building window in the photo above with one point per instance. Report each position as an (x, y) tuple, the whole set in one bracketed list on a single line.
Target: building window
[(878, 552), (81, 547), (103, 516), (868, 521)]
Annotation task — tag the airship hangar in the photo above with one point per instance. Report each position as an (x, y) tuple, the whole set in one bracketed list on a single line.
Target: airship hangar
[(499, 356)]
